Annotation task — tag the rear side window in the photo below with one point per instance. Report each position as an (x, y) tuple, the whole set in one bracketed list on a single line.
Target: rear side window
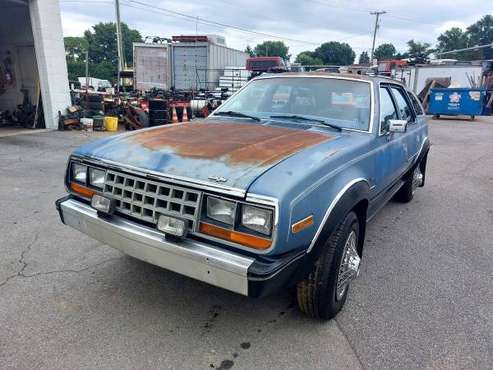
[(415, 103), (387, 109), (405, 111)]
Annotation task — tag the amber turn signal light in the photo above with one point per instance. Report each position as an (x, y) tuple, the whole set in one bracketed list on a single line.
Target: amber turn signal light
[(235, 236), (81, 190), (302, 224)]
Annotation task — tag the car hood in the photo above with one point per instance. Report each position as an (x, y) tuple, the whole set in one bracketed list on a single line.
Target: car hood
[(225, 153)]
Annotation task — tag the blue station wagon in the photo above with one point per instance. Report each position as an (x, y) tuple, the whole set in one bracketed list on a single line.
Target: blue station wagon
[(273, 190)]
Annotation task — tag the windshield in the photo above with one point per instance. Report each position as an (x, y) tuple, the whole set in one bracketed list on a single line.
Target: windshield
[(344, 103)]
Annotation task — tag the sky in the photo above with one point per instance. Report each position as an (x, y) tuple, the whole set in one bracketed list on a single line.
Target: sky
[(301, 24)]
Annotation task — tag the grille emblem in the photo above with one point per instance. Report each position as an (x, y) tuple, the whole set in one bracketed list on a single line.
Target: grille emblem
[(218, 178)]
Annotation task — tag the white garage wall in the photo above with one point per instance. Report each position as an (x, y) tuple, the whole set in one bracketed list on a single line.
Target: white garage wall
[(50, 53)]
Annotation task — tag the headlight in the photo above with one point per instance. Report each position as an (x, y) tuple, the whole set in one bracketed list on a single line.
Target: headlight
[(79, 173), (221, 210), (257, 219), (96, 177)]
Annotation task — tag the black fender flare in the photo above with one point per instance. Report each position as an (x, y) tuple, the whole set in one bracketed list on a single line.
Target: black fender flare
[(420, 161), (356, 195), (297, 265), (424, 150)]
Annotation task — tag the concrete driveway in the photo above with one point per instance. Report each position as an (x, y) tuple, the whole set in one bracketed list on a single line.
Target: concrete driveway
[(424, 299)]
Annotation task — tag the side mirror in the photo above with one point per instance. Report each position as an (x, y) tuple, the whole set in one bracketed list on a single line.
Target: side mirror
[(397, 125)]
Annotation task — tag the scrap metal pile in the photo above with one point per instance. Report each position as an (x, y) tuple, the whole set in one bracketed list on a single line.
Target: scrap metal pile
[(26, 115), (136, 110), (161, 107), (88, 111)]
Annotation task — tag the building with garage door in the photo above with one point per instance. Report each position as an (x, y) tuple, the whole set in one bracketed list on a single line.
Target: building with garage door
[(33, 70)]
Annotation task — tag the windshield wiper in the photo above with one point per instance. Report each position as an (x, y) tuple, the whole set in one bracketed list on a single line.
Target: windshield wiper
[(303, 118), (231, 113)]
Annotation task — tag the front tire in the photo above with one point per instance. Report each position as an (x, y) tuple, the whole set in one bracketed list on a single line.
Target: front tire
[(323, 293)]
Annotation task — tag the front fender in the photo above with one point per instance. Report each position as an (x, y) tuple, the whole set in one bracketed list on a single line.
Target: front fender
[(354, 194)]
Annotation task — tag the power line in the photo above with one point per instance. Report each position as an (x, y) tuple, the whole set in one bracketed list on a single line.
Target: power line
[(194, 19), (152, 8), (215, 23), (477, 47), (367, 10), (330, 5)]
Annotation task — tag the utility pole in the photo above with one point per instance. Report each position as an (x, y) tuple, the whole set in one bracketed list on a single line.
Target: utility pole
[(87, 77), (119, 44), (87, 70), (377, 16)]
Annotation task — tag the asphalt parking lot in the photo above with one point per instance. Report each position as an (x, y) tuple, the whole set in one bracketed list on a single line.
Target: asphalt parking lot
[(424, 299)]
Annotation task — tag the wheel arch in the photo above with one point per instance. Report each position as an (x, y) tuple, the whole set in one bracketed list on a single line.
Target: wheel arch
[(361, 209), (352, 197), (421, 161)]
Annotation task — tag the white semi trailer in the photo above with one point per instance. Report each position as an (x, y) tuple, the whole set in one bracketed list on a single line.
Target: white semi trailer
[(195, 63)]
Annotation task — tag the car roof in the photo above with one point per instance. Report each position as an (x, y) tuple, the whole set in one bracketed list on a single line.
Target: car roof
[(321, 74)]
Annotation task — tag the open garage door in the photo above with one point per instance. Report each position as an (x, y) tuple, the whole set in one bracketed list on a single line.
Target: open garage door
[(28, 72), (33, 71)]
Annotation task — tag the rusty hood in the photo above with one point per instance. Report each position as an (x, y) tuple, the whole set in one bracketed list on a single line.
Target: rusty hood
[(233, 154)]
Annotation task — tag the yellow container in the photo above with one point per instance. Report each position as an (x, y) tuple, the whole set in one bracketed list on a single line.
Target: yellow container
[(111, 123)]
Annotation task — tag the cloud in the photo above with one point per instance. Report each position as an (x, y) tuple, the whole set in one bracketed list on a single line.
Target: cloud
[(75, 24), (313, 21)]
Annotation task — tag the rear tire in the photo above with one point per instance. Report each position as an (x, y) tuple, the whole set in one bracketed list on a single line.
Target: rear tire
[(412, 181), (318, 295), (406, 192)]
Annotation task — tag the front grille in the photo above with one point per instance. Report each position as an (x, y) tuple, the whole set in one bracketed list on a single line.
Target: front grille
[(145, 200)]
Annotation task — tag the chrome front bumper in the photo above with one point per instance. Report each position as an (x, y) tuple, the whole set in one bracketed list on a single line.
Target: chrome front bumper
[(190, 258)]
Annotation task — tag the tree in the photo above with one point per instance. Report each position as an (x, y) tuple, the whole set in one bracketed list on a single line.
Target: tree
[(453, 39), (364, 58), (400, 55), (272, 49), (481, 33), (419, 50), (104, 70), (102, 42), (75, 69), (75, 48), (103, 55), (336, 53), (384, 51), (308, 58), (75, 52), (249, 51)]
